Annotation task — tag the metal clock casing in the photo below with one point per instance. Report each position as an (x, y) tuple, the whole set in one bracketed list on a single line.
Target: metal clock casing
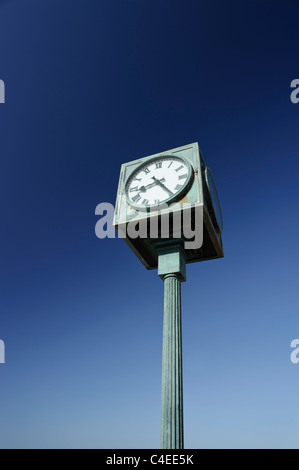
[(195, 191)]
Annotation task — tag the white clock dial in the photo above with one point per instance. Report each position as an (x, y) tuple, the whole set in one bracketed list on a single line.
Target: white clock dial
[(157, 181)]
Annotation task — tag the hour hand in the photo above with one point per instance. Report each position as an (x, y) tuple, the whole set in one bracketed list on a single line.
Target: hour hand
[(144, 188)]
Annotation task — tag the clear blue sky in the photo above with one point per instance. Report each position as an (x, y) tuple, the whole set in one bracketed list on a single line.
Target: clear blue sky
[(89, 86)]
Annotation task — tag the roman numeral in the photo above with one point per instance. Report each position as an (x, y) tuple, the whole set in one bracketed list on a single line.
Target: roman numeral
[(134, 189), (158, 165), (137, 179), (183, 176), (178, 186), (170, 164), (145, 201), (157, 201), (136, 198), (146, 170), (179, 168)]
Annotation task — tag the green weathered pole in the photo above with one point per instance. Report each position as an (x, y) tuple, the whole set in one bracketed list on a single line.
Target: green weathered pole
[(172, 270)]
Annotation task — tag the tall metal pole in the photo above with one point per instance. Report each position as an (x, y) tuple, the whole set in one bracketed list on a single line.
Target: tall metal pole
[(171, 269)]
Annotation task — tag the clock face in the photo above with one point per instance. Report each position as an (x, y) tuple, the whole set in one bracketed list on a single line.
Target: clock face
[(214, 198), (158, 181)]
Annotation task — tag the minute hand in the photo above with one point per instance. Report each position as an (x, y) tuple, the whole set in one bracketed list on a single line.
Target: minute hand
[(162, 186)]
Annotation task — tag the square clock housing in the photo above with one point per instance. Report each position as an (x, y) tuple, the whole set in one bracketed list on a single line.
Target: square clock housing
[(148, 187)]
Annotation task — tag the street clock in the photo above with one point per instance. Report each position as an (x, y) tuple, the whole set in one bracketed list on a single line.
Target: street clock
[(176, 183), (150, 185)]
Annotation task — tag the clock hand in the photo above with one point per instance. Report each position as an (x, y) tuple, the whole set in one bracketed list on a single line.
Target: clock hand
[(162, 186), (144, 188)]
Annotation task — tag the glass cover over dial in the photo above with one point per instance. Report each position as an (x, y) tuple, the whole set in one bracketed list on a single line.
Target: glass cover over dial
[(214, 198)]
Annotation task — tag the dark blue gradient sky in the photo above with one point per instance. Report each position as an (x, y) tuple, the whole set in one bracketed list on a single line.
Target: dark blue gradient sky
[(89, 86)]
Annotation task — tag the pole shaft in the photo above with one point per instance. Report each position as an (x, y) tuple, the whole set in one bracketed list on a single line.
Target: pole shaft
[(172, 429)]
